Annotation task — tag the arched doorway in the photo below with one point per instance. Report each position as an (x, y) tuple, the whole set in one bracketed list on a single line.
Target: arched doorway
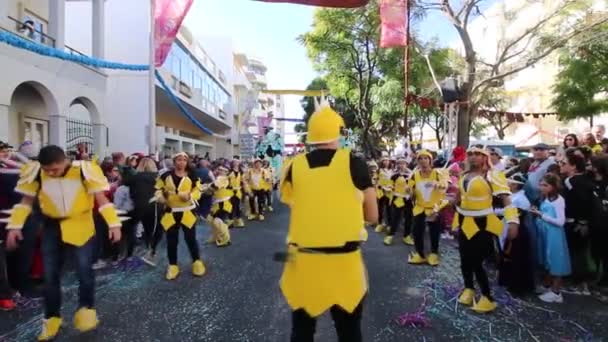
[(80, 135), (29, 114)]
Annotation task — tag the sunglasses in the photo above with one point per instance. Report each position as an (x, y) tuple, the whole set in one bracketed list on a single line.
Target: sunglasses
[(474, 154)]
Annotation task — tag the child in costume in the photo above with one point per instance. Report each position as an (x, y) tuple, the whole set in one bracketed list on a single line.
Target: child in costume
[(236, 185), (222, 208), (385, 188), (401, 204), (258, 184), (66, 192), (554, 254), (429, 186), (269, 185), (179, 189)]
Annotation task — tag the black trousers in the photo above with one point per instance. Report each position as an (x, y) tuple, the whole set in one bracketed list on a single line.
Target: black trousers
[(149, 216), (420, 224), (5, 289), (173, 240), (260, 195), (348, 325), (404, 213), (473, 253), (236, 207), (384, 206)]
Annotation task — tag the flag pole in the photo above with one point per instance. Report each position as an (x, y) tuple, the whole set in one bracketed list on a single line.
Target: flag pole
[(152, 83), (406, 65)]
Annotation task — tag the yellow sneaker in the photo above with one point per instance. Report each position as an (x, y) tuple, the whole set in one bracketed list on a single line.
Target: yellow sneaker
[(223, 236), (50, 328), (408, 240), (172, 272), (85, 319), (239, 223), (388, 240), (415, 259), (261, 217), (433, 259), (198, 268), (484, 305), (270, 209), (379, 228), (229, 223), (467, 297), (251, 217)]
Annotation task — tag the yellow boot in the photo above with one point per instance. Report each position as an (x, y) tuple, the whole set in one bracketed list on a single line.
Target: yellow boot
[(484, 305), (379, 228), (50, 328), (85, 319), (251, 217), (172, 272), (467, 297), (198, 268), (229, 223), (408, 240), (388, 240), (261, 217), (415, 259), (433, 259), (239, 223), (223, 235), (270, 209)]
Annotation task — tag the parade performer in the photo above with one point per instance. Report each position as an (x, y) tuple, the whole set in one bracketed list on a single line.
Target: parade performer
[(236, 185), (324, 267), (269, 184), (479, 226), (429, 187), (257, 186), (401, 204), (66, 192), (384, 191), (222, 208), (179, 189)]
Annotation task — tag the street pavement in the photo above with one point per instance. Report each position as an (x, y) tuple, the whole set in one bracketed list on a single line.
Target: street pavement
[(239, 300)]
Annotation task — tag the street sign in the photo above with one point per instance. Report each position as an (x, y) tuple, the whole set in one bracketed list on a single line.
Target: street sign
[(247, 145)]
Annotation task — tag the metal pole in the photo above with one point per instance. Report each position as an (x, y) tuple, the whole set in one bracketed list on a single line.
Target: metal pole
[(406, 62), (152, 84)]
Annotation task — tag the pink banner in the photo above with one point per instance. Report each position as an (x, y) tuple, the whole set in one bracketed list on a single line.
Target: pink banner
[(263, 122), (325, 3), (168, 17), (394, 18)]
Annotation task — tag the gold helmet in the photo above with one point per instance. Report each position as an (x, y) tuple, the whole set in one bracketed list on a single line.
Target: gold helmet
[(324, 126)]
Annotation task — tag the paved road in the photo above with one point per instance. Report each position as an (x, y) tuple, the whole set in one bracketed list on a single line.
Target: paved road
[(239, 300)]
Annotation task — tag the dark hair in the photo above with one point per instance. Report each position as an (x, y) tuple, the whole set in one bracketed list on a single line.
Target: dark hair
[(575, 159), (600, 164), (524, 165), (51, 154), (554, 169), (574, 137), (586, 151), (554, 181)]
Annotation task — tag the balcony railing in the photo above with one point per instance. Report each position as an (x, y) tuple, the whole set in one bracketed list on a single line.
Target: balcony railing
[(30, 32)]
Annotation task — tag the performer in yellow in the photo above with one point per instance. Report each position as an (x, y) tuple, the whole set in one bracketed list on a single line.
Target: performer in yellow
[(330, 193), (384, 191), (179, 189), (479, 226), (429, 187), (401, 203), (66, 192), (236, 185), (222, 208), (258, 183), (269, 184)]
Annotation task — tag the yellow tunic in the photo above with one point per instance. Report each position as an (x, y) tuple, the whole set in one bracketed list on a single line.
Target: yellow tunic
[(69, 199), (326, 211), (476, 201), (166, 188), (258, 180), (400, 190), (222, 195), (236, 183), (385, 184), (429, 192)]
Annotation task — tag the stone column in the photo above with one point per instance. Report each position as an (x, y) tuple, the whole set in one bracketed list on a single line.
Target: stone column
[(5, 124), (99, 29), (57, 130), (57, 22)]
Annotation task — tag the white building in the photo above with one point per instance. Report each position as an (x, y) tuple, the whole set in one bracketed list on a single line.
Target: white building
[(48, 100), (530, 90)]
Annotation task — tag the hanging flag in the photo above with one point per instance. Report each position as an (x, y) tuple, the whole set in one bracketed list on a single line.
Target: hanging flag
[(263, 122), (325, 3), (168, 17), (394, 18)]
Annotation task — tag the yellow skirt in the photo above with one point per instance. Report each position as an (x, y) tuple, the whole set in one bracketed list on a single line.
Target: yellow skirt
[(494, 225), (316, 282)]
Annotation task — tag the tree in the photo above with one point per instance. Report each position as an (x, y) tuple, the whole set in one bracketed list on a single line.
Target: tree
[(495, 102), (581, 90), (519, 50)]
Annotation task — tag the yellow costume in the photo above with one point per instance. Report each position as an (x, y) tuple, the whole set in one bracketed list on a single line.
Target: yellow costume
[(385, 184), (68, 199), (221, 210), (236, 184), (312, 279), (429, 192), (167, 191)]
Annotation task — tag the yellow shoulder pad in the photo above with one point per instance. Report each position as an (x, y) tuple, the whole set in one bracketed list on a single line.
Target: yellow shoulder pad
[(94, 179), (29, 173)]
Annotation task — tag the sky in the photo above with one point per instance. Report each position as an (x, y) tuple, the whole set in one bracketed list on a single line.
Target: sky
[(268, 31)]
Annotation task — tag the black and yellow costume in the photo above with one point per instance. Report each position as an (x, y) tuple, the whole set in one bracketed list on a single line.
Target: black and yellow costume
[(400, 206), (429, 199), (269, 187), (236, 186), (479, 228), (221, 210), (179, 213), (384, 191), (66, 203), (258, 184)]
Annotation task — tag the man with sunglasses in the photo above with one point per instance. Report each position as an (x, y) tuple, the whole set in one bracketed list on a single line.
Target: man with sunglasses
[(478, 224)]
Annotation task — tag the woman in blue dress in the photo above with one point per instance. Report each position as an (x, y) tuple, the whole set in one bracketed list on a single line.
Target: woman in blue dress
[(554, 255)]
